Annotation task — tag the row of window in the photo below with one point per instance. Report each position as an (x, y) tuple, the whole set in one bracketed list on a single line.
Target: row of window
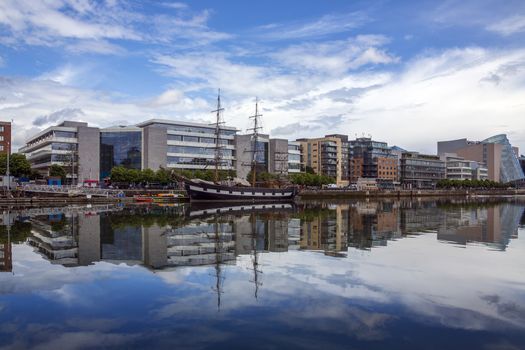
[(66, 134), (198, 139), (294, 157), (197, 161), (65, 158), (196, 129), (199, 150), (62, 146)]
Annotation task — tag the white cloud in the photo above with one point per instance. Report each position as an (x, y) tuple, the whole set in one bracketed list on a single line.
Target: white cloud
[(511, 25), (34, 104), (169, 97), (335, 57), (100, 27), (327, 24)]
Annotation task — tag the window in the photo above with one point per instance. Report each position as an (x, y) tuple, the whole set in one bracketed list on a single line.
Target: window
[(1, 137), (1, 148), (2, 128)]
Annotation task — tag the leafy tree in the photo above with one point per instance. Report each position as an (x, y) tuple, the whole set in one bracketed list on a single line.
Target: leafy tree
[(56, 170), (147, 175), (163, 176), (481, 184), (118, 174), (311, 179), (18, 165), (261, 176)]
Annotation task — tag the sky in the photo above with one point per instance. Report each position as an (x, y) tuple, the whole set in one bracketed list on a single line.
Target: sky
[(406, 72)]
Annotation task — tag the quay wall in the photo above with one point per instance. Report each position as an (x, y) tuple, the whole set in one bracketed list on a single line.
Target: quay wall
[(336, 193)]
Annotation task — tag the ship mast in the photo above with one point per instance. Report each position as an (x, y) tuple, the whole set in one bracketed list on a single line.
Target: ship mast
[(255, 137), (218, 123), (255, 258), (218, 261)]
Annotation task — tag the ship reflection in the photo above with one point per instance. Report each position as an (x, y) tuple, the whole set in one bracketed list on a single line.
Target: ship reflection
[(171, 237)]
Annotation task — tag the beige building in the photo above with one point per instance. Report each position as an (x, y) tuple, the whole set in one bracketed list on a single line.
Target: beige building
[(326, 156)]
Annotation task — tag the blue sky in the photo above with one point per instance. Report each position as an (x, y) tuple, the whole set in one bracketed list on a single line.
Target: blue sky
[(406, 72)]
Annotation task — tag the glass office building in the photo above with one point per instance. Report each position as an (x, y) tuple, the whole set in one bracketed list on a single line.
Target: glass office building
[(120, 146), (510, 169)]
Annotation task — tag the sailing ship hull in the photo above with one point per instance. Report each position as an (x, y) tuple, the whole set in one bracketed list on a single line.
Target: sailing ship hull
[(198, 191)]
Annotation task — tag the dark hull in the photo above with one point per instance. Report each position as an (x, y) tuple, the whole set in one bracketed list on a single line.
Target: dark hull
[(198, 191)]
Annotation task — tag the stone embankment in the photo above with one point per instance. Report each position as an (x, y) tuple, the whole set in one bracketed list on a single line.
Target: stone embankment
[(340, 193)]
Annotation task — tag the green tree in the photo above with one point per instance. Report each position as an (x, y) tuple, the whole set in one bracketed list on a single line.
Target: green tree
[(56, 170), (311, 179), (118, 174), (18, 165), (147, 175), (163, 176)]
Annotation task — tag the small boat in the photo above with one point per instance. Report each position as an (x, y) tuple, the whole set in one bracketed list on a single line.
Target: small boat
[(158, 198), (166, 197), (143, 199)]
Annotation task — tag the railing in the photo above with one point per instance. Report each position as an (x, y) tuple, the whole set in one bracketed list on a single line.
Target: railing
[(72, 190)]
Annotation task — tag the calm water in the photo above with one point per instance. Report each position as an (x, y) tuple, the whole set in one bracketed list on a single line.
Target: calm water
[(353, 275)]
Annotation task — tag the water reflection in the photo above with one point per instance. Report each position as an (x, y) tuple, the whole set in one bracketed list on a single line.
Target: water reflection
[(332, 275), (160, 237)]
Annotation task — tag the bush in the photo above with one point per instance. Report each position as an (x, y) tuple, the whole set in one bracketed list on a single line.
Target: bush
[(311, 179)]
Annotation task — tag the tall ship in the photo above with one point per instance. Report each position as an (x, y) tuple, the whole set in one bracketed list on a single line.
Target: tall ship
[(199, 190)]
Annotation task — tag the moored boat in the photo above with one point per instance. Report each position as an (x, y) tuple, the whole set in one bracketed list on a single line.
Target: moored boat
[(213, 191), (203, 191)]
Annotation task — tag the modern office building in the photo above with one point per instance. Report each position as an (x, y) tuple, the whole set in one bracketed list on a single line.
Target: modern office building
[(90, 153), (510, 169), (325, 157), (5, 137), (120, 146), (496, 152), (185, 145), (73, 145), (372, 159), (459, 168), (421, 171), (274, 156)]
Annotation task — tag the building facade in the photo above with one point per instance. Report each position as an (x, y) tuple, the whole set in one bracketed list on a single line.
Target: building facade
[(120, 146), (185, 145), (73, 145), (294, 157), (325, 156), (372, 159), (459, 168), (245, 148), (495, 152), (421, 171), (5, 137), (275, 156), (90, 153)]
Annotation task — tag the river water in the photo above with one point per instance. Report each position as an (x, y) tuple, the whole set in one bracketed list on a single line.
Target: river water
[(447, 274)]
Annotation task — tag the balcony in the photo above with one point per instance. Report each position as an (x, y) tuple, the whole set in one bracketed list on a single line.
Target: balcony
[(46, 141)]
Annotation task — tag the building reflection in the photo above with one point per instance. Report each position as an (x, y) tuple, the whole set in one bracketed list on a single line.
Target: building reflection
[(160, 237), (372, 224), (6, 257)]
